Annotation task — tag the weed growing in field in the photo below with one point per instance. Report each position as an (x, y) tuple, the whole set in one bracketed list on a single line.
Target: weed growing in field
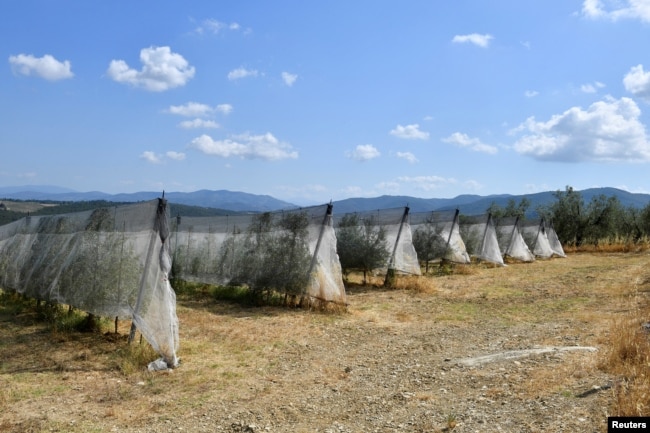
[(134, 358), (420, 284), (629, 360)]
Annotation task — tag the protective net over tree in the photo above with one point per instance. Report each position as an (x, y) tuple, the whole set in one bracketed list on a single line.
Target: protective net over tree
[(388, 228), (511, 242), (480, 238), (291, 252), (110, 262), (535, 235), (554, 241), (437, 236)]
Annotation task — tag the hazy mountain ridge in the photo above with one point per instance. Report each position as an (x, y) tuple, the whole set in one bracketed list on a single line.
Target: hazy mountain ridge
[(221, 199), (468, 204)]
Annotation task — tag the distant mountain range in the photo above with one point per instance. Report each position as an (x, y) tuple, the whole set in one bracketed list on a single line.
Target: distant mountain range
[(476, 204), (245, 202), (222, 199)]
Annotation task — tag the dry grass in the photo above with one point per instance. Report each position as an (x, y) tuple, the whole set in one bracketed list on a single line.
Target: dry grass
[(263, 357), (416, 283), (628, 360)]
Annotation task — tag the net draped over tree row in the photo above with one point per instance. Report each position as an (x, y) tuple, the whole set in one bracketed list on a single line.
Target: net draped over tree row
[(378, 240), (511, 242), (480, 237), (436, 236), (292, 252), (541, 238), (109, 262)]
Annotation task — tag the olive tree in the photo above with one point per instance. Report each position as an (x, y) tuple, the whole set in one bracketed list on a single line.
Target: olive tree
[(361, 244)]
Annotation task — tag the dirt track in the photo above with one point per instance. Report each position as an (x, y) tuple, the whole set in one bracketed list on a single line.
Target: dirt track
[(393, 362)]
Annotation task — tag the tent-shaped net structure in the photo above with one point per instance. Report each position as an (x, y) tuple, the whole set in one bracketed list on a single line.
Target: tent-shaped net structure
[(480, 237), (110, 262), (291, 252), (554, 241), (437, 235), (511, 242), (394, 224), (536, 237)]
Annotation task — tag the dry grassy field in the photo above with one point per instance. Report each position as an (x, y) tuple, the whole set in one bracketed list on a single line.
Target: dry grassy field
[(567, 336)]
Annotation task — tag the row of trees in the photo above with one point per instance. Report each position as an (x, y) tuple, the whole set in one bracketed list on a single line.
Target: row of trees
[(602, 220), (270, 255), (361, 244)]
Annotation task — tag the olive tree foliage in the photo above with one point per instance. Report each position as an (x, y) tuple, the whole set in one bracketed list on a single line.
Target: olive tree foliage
[(602, 219), (429, 243), (512, 209), (361, 244), (273, 255)]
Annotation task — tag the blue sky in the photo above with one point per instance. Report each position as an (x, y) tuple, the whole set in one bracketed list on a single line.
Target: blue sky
[(310, 101)]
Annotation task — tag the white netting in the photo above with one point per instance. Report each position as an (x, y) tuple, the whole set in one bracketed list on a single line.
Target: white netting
[(289, 251), (511, 242), (109, 262), (438, 233), (534, 233), (554, 241), (480, 238), (398, 239)]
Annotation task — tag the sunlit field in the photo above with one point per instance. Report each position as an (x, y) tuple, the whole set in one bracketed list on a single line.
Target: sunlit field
[(391, 356)]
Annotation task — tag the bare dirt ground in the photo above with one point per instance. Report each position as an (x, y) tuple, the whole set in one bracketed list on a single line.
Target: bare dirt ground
[(399, 360)]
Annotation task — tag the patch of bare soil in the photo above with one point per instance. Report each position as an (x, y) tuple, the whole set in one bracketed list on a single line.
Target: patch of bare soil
[(397, 360)]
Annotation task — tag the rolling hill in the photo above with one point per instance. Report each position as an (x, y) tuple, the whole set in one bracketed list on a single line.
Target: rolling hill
[(234, 201)]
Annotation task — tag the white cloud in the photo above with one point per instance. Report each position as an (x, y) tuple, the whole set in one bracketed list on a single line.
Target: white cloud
[(409, 132), (151, 157), (474, 38), (242, 72), (246, 146), (472, 185), (407, 156), (531, 93), (592, 87), (177, 156), (637, 82), (463, 140), (195, 109), (614, 10), (45, 67), (427, 183), (161, 70), (198, 123), (155, 158), (388, 187), (609, 130), (289, 79), (224, 108), (215, 26), (192, 109), (363, 152)]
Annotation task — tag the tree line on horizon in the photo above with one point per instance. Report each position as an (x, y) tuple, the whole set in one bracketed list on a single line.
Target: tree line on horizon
[(602, 220)]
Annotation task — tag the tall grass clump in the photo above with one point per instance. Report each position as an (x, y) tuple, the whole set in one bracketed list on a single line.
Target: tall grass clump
[(628, 359), (134, 358), (66, 319), (416, 283)]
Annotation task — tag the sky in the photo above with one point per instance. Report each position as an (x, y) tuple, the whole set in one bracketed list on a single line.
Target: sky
[(312, 101)]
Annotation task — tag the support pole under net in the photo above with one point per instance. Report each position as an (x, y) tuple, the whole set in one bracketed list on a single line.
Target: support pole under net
[(390, 272), (314, 258), (162, 203)]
